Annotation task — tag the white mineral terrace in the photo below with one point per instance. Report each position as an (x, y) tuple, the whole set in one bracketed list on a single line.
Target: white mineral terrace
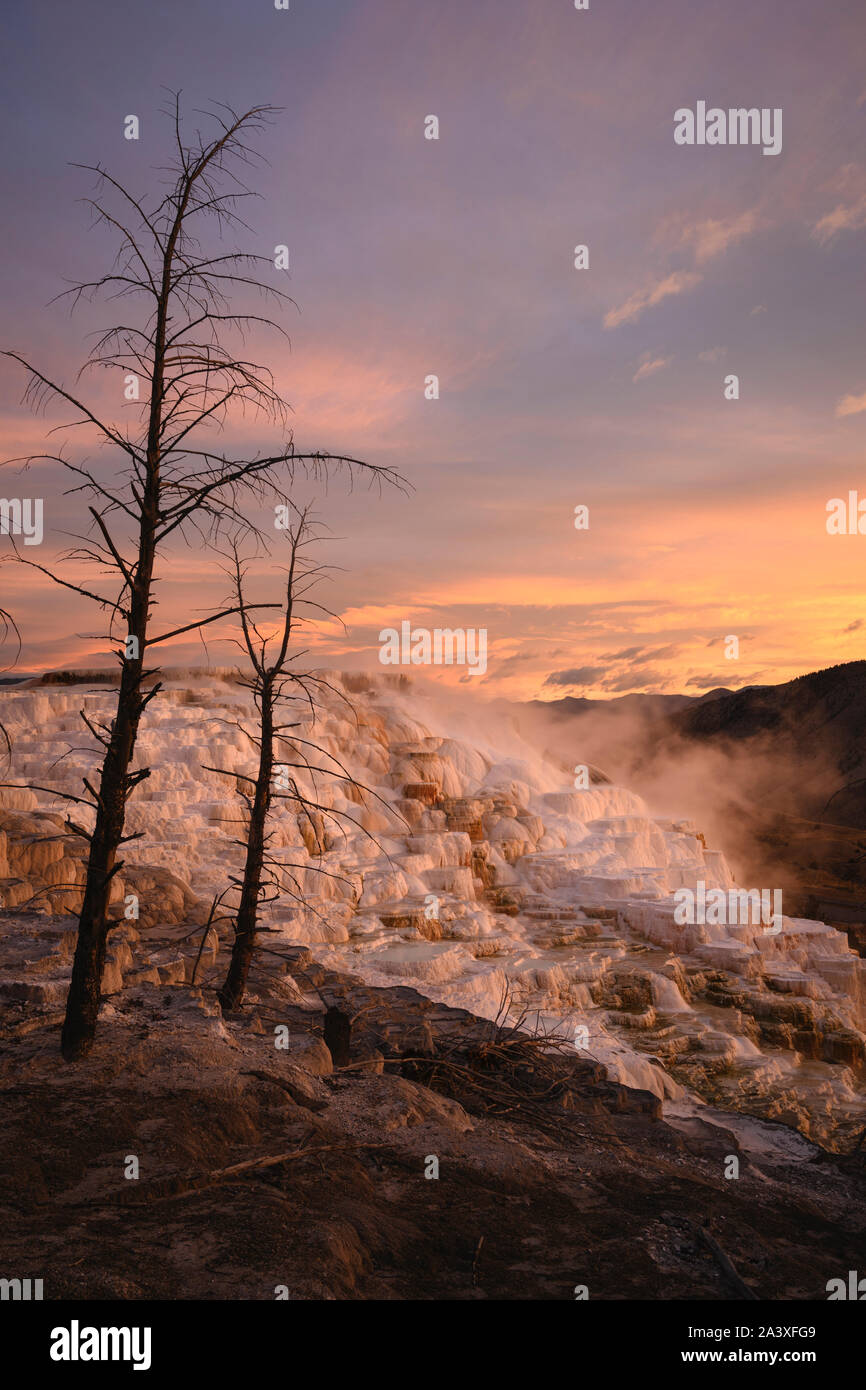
[(474, 867)]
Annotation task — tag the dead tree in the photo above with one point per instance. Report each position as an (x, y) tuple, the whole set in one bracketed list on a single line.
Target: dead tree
[(7, 626), (280, 691), (167, 478)]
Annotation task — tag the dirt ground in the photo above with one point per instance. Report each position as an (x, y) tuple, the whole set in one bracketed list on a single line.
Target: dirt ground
[(550, 1178)]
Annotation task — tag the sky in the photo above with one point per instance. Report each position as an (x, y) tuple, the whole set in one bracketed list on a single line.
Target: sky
[(559, 387)]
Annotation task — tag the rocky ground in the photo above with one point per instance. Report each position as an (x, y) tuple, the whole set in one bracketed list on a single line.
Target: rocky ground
[(303, 1170)]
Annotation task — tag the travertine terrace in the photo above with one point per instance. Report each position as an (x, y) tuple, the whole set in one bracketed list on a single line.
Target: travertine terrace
[(472, 869)]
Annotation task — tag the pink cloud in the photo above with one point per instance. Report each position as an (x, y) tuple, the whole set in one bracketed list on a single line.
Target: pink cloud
[(677, 283)]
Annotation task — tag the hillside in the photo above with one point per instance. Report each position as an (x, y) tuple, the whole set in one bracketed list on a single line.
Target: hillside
[(776, 774)]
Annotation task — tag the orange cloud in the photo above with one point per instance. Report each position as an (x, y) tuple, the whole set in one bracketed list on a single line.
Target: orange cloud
[(713, 235), (650, 365), (637, 303), (851, 405)]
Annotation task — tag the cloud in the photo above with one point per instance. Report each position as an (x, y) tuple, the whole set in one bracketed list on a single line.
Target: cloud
[(650, 364), (661, 653), (577, 675), (677, 283), (844, 217), (707, 682), (707, 239), (712, 354), (639, 656), (516, 660), (631, 680), (758, 309), (851, 405), (713, 236), (377, 615), (855, 626)]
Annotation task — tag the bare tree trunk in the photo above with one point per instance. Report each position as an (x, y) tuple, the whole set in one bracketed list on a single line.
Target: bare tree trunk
[(270, 681), (243, 947), (82, 1004), (173, 478), (115, 784)]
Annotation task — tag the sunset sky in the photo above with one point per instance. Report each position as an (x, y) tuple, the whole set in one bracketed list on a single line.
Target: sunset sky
[(602, 387)]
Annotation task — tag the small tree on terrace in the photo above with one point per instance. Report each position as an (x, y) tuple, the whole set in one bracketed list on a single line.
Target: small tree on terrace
[(167, 478), (285, 698), (7, 626)]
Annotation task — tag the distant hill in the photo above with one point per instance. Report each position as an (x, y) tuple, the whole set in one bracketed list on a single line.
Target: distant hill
[(820, 715), (652, 706)]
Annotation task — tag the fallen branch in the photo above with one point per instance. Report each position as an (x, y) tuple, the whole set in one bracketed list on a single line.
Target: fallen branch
[(716, 1250), (250, 1165)]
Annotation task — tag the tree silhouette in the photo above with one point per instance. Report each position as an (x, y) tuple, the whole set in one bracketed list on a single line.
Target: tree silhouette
[(285, 696), (167, 475)]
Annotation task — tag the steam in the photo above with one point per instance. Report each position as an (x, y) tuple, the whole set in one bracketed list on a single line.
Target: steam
[(730, 790)]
